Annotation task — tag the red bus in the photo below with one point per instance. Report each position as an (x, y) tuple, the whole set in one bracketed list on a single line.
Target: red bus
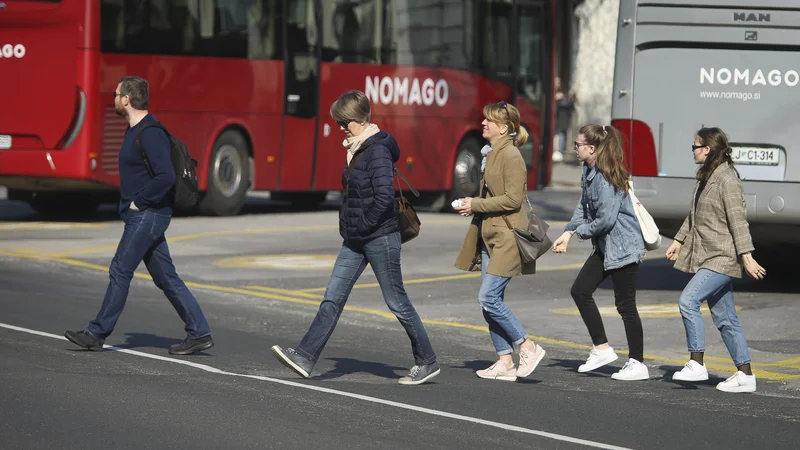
[(247, 85)]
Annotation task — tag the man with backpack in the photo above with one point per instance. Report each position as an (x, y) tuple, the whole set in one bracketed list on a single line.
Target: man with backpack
[(149, 188)]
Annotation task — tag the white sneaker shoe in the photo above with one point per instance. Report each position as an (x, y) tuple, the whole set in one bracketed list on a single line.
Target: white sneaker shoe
[(692, 371), (738, 382), (557, 156), (633, 370), (598, 358)]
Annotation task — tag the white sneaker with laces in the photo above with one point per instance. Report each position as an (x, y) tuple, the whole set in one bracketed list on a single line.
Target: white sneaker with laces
[(598, 358), (633, 370), (738, 382), (692, 371)]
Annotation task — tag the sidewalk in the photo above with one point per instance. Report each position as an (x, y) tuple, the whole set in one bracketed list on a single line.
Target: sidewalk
[(566, 176)]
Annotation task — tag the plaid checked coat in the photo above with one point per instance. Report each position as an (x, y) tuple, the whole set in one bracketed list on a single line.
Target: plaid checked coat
[(716, 232)]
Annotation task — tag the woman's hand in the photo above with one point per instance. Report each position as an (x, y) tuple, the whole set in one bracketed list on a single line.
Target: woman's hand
[(673, 250), (752, 267), (466, 209), (560, 245)]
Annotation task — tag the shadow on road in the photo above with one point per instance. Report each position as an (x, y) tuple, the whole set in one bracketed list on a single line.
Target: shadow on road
[(348, 366)]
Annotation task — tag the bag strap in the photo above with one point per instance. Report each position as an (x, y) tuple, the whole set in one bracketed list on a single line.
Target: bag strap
[(402, 177), (138, 142)]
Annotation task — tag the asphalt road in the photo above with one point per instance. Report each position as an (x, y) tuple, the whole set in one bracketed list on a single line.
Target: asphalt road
[(258, 289)]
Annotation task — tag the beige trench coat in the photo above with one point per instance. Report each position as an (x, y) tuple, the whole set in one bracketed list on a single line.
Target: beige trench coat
[(506, 177)]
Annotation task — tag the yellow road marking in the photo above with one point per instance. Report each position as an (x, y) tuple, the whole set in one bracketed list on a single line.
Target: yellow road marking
[(283, 291), (657, 311), (274, 296), (49, 226), (253, 231), (202, 235), (296, 261), (469, 275)]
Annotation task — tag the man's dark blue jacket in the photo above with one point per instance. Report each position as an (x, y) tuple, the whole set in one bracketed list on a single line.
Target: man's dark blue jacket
[(135, 183), (368, 210)]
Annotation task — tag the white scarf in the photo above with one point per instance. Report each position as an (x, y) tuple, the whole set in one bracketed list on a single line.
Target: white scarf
[(485, 152), (352, 143)]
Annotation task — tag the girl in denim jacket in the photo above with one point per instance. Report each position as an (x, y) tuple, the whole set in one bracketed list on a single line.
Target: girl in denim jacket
[(606, 216)]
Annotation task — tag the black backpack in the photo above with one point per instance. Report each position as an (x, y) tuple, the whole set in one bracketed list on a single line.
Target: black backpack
[(185, 192)]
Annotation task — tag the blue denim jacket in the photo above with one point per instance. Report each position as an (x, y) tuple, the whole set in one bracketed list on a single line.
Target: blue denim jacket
[(607, 217)]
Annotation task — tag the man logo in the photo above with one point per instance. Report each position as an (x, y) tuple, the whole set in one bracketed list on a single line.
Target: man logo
[(751, 17), (12, 51)]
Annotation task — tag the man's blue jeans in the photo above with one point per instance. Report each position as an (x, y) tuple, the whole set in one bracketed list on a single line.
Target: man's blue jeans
[(143, 240), (504, 327), (383, 254), (718, 290)]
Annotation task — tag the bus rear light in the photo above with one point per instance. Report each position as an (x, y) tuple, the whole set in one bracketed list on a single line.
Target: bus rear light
[(77, 121), (639, 147)]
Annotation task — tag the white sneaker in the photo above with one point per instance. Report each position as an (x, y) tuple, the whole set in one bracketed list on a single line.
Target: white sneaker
[(557, 156), (692, 371), (632, 370), (738, 382), (598, 358)]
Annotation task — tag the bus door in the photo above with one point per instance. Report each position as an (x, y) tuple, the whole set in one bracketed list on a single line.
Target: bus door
[(533, 86), (301, 89)]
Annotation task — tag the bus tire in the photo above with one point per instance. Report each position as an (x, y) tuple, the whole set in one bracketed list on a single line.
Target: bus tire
[(228, 176), (466, 171)]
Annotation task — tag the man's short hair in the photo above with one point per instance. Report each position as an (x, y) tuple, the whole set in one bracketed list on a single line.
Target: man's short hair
[(137, 89)]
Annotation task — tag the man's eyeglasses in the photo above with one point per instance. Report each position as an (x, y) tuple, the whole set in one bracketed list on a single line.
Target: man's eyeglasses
[(119, 93)]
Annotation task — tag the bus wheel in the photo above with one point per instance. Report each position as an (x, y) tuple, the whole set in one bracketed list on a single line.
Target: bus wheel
[(51, 204), (228, 176), (466, 171)]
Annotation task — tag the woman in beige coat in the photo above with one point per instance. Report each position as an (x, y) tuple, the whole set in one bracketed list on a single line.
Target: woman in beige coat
[(490, 245)]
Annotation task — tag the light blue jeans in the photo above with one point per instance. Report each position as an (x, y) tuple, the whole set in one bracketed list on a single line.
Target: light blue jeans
[(504, 327), (718, 290)]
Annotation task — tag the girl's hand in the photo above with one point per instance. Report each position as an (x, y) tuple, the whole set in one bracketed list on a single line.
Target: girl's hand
[(560, 245)]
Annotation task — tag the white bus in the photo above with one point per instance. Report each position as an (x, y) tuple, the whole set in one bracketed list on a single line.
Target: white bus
[(732, 64)]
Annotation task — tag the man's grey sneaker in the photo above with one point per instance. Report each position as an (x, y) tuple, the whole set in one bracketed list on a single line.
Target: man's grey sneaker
[(420, 374), (85, 339), (294, 361), (189, 346)]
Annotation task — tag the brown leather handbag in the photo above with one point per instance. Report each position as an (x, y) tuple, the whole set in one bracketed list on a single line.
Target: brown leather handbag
[(407, 218)]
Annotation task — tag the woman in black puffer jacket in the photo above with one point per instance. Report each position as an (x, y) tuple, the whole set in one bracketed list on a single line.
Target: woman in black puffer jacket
[(368, 225)]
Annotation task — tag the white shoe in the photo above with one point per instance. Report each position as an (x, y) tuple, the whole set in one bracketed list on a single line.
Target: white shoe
[(557, 156), (692, 371), (633, 370), (738, 382), (598, 358)]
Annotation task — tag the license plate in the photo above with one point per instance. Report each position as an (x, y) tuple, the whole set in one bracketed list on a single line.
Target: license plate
[(768, 156), (5, 142)]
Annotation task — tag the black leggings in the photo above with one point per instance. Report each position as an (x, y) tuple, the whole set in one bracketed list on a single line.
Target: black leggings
[(624, 279)]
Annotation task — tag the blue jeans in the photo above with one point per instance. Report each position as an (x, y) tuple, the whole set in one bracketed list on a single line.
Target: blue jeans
[(562, 140), (718, 290), (143, 240), (383, 254), (504, 327)]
